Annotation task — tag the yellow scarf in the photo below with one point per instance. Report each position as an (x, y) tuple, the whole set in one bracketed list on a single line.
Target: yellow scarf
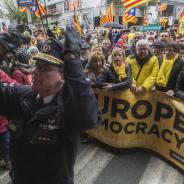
[(165, 71), (120, 70)]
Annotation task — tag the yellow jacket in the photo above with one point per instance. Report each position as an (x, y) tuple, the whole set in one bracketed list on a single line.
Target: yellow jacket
[(148, 74)]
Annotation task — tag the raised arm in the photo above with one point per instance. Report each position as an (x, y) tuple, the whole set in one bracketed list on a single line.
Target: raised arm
[(82, 107)]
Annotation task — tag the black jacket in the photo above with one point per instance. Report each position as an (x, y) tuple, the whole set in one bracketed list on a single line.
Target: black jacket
[(44, 138), (4, 65), (109, 76), (180, 85), (171, 85)]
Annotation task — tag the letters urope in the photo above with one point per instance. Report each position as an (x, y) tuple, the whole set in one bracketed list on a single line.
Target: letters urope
[(154, 121)]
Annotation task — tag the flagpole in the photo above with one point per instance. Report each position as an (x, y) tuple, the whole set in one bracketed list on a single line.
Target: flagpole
[(41, 18), (158, 7), (46, 12), (29, 20)]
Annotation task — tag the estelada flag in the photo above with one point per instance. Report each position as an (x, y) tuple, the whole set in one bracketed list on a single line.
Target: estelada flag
[(130, 16)]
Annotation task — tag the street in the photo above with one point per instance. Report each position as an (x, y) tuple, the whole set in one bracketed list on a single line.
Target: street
[(97, 164)]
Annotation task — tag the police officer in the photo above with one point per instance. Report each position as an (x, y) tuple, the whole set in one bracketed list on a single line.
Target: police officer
[(48, 117)]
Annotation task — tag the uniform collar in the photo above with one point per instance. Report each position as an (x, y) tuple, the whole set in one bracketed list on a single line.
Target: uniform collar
[(46, 99)]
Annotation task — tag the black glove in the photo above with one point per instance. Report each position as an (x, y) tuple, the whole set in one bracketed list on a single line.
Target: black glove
[(73, 42)]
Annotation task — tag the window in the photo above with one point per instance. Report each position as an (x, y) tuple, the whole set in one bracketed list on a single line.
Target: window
[(66, 5)]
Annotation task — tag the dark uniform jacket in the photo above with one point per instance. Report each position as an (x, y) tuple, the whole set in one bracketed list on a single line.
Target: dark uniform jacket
[(109, 76), (44, 138), (4, 65)]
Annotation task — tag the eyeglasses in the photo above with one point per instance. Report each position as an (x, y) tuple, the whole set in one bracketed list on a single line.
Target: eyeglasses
[(164, 36)]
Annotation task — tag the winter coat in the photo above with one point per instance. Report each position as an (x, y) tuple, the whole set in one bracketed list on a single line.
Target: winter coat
[(179, 92), (44, 136), (92, 75), (21, 75), (109, 76), (3, 120), (144, 75), (171, 84), (4, 65)]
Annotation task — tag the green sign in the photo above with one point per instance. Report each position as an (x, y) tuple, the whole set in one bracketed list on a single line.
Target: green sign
[(153, 27), (181, 28)]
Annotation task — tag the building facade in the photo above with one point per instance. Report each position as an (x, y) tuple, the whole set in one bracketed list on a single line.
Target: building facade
[(88, 11), (3, 18), (63, 11)]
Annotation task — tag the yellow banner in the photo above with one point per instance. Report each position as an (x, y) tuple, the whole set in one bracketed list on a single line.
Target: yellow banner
[(154, 121)]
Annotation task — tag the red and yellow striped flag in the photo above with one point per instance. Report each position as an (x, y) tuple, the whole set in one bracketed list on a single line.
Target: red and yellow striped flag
[(145, 21), (163, 22), (40, 9), (163, 7), (77, 24), (129, 4), (109, 15), (103, 19)]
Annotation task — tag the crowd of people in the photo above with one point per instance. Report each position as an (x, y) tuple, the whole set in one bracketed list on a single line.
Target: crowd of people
[(112, 60)]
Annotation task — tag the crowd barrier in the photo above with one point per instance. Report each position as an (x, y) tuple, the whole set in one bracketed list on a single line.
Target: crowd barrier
[(153, 121)]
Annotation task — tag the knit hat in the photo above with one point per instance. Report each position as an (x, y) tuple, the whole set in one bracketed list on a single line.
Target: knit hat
[(33, 50), (85, 46), (23, 56)]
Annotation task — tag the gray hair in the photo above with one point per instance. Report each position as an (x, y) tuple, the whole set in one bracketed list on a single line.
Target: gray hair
[(142, 42)]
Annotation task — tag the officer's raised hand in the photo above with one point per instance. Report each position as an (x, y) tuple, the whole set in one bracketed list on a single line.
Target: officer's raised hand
[(73, 44)]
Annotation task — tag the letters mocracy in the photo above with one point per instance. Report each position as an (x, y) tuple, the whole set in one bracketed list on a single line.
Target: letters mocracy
[(131, 121)]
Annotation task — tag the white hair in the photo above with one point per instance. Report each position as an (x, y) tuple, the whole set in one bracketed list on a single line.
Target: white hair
[(142, 42)]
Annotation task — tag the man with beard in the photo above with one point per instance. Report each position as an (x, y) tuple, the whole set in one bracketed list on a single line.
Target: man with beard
[(180, 40), (164, 36), (145, 68), (49, 116)]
